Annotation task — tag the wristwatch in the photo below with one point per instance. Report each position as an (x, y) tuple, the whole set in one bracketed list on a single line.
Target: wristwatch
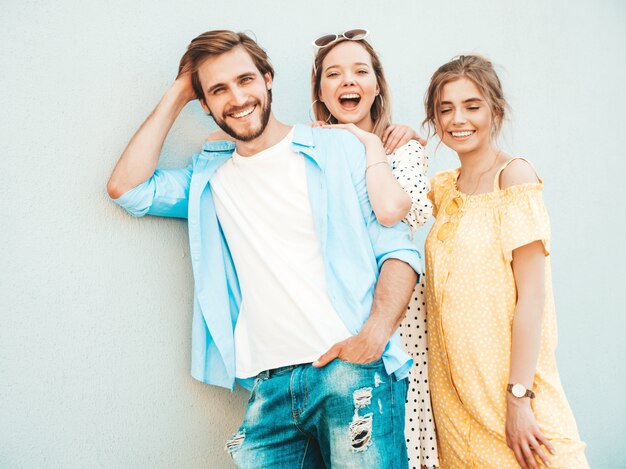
[(519, 391)]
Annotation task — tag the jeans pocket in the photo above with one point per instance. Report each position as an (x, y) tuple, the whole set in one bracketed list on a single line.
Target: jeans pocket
[(375, 364)]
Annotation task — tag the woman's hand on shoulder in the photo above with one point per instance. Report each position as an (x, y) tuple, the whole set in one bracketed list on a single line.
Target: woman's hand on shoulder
[(517, 172), (364, 137), (218, 135), (523, 435), (397, 135)]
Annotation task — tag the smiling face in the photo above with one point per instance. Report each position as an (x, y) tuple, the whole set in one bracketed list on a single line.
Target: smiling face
[(464, 118), (348, 85), (236, 94)]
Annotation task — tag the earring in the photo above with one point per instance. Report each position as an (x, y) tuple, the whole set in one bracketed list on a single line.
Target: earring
[(312, 117)]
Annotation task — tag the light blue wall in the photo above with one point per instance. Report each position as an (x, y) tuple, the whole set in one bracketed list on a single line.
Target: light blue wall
[(95, 306)]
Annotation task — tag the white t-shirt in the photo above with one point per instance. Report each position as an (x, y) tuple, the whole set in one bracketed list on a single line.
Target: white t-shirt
[(286, 315)]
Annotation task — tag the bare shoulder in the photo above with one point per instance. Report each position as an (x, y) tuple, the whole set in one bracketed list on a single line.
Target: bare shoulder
[(518, 171)]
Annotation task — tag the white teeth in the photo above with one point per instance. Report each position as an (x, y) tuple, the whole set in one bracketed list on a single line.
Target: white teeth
[(349, 96), (243, 113), (466, 133)]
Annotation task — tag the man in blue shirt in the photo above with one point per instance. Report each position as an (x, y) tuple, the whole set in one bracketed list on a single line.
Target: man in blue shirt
[(286, 253)]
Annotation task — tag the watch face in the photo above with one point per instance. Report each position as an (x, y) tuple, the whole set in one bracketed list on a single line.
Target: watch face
[(518, 390)]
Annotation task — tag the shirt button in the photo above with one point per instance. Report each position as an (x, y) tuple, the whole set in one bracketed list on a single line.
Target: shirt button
[(454, 205), (444, 231)]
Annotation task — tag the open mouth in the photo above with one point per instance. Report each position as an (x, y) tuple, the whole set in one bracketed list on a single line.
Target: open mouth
[(349, 101), (242, 113), (462, 134)]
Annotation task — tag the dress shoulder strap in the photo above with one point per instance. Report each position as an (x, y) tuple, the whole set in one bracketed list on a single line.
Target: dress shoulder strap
[(496, 181)]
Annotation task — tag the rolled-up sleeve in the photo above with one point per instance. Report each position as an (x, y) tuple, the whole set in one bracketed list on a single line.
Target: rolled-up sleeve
[(165, 194), (397, 245)]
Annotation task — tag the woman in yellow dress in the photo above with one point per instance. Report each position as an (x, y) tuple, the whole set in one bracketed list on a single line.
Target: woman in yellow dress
[(497, 397)]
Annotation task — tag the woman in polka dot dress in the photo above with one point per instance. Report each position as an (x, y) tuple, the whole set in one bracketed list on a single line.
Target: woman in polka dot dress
[(496, 392), (349, 88)]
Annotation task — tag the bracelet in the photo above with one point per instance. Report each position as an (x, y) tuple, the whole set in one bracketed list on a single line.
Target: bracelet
[(374, 164)]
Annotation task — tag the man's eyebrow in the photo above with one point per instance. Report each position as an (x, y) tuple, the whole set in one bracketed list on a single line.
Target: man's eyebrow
[(217, 85), (239, 77)]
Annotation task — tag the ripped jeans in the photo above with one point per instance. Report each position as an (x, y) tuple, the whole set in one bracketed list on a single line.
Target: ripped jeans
[(341, 416)]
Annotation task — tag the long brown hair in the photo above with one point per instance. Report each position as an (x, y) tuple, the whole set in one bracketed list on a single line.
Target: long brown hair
[(381, 108), (480, 71)]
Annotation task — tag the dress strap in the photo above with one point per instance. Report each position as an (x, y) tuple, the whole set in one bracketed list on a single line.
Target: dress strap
[(496, 181)]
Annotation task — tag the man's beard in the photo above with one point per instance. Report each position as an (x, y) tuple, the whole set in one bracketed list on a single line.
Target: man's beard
[(252, 133)]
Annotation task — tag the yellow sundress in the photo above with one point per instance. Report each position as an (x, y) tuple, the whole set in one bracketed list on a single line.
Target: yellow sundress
[(471, 297)]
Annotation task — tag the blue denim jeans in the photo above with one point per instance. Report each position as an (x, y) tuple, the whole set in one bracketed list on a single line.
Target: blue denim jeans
[(340, 416)]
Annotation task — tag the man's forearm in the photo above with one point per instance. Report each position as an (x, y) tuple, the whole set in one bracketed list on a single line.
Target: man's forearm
[(139, 160), (393, 291), (391, 297)]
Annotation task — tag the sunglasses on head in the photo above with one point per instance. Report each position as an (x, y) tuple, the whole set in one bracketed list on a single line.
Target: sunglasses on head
[(351, 35)]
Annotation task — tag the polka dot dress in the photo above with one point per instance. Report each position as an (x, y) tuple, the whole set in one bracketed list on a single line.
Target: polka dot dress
[(471, 298), (409, 165), (421, 439)]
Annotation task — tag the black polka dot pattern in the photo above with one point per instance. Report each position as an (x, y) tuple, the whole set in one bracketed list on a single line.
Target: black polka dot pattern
[(419, 429), (409, 165)]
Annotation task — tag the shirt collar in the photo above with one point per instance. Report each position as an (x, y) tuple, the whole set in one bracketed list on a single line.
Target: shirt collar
[(218, 146), (302, 142)]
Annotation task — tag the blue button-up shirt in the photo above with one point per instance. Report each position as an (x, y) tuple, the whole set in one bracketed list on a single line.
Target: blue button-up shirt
[(354, 245)]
